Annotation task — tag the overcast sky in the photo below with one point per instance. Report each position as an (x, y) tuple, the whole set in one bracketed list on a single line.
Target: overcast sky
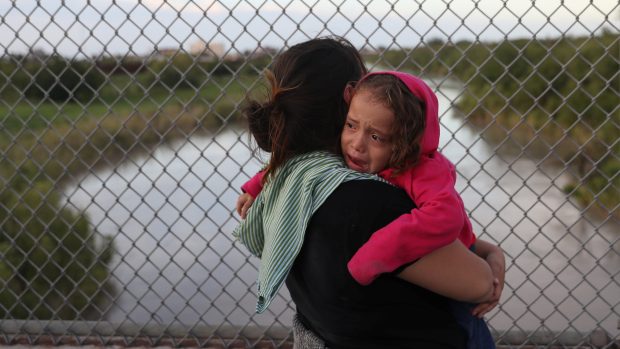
[(75, 27)]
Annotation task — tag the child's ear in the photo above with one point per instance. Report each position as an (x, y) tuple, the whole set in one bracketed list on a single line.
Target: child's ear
[(348, 93)]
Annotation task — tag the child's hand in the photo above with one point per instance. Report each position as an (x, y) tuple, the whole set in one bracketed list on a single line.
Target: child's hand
[(244, 202)]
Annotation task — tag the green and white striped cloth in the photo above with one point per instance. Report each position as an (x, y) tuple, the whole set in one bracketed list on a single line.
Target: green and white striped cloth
[(276, 223)]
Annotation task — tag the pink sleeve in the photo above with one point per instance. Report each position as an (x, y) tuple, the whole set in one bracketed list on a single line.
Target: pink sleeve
[(254, 185), (436, 222)]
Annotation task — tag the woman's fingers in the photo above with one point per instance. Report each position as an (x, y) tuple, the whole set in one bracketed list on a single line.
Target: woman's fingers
[(481, 309)]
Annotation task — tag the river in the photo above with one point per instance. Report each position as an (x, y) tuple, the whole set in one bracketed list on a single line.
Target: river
[(171, 215)]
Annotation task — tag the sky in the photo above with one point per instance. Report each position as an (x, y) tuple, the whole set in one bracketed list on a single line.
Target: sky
[(136, 27)]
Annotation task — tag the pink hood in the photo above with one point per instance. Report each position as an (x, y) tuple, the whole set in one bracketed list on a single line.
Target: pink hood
[(430, 139)]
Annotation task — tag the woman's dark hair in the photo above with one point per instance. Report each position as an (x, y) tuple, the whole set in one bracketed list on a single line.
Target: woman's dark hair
[(305, 109), (409, 117)]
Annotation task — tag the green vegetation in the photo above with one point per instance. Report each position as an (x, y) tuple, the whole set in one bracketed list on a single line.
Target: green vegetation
[(50, 262), (558, 97), (59, 118)]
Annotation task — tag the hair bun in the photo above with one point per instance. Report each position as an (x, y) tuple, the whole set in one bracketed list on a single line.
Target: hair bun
[(258, 116)]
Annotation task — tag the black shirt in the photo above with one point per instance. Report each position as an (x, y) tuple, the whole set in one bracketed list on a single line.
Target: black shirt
[(390, 312)]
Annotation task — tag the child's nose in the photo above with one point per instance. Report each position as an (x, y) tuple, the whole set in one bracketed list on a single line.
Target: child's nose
[(358, 142)]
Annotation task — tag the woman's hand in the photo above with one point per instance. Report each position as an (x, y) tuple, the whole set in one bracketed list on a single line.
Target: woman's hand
[(481, 309), (244, 202), (494, 256)]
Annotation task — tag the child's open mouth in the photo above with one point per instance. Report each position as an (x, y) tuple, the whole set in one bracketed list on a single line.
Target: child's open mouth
[(356, 164)]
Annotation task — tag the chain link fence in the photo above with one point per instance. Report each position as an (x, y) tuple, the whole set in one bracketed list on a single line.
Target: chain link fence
[(122, 154)]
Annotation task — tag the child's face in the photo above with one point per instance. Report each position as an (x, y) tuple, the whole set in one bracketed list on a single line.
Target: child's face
[(367, 134)]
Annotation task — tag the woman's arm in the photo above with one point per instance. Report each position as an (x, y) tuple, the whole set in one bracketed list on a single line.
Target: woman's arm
[(454, 272)]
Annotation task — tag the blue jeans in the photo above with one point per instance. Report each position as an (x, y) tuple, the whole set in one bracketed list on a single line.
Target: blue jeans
[(478, 334)]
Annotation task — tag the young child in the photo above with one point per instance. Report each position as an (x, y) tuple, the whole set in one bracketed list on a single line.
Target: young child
[(392, 129)]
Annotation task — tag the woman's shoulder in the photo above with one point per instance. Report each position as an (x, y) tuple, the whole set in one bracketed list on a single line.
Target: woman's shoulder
[(373, 193), (374, 203)]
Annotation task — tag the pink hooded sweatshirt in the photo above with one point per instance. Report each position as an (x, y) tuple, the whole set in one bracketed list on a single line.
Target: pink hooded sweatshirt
[(440, 216)]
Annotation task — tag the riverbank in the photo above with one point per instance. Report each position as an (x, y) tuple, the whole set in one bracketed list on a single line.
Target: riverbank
[(590, 169)]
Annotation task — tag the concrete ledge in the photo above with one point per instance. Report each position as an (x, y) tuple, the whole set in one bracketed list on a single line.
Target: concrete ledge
[(128, 329), (122, 335)]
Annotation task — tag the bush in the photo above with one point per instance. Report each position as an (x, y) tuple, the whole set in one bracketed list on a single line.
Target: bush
[(61, 80), (52, 265)]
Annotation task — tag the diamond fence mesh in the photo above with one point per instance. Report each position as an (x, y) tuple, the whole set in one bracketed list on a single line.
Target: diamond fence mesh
[(123, 152)]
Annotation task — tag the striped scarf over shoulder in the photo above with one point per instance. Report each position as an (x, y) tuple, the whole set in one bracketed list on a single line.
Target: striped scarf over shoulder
[(276, 223)]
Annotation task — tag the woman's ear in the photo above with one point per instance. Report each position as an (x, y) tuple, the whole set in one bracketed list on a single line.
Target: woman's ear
[(348, 93)]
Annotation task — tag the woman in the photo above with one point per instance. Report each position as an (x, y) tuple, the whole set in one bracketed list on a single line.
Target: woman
[(309, 193)]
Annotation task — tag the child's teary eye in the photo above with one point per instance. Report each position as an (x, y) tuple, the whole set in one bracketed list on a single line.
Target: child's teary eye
[(376, 137)]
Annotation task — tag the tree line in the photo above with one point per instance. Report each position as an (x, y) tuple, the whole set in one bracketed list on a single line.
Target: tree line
[(60, 79)]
